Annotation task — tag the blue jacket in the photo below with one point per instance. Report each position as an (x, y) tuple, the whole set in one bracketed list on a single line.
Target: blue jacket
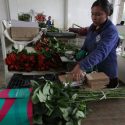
[(101, 46), (48, 23)]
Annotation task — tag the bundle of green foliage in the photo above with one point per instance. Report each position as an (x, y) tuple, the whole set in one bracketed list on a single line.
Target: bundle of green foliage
[(55, 104), (24, 17)]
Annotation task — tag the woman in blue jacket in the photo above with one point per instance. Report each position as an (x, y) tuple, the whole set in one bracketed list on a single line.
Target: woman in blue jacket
[(101, 43)]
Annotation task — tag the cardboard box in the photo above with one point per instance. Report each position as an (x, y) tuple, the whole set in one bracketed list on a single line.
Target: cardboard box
[(97, 80), (66, 78), (23, 31), (69, 79)]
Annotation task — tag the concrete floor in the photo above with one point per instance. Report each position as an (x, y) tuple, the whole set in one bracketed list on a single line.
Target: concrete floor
[(106, 112)]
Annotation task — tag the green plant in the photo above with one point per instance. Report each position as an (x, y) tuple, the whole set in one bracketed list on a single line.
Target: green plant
[(57, 104), (52, 29), (64, 105), (24, 17), (61, 47), (42, 25)]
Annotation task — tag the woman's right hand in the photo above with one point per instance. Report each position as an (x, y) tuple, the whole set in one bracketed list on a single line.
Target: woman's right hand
[(77, 73)]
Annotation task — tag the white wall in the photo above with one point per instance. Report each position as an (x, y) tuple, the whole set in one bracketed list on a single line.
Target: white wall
[(121, 30), (121, 9), (79, 12), (4, 11), (64, 12), (118, 11), (13, 6), (55, 8)]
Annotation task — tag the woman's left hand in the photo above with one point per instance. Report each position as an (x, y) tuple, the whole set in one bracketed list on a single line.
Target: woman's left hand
[(78, 74)]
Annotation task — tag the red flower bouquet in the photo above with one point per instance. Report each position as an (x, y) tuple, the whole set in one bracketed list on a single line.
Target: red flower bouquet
[(42, 60), (40, 17)]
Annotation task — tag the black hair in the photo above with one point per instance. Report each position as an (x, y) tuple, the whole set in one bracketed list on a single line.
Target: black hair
[(105, 5)]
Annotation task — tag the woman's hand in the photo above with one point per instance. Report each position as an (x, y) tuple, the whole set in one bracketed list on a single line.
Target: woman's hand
[(77, 73)]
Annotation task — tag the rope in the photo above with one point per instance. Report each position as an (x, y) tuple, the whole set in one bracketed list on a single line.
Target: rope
[(104, 96)]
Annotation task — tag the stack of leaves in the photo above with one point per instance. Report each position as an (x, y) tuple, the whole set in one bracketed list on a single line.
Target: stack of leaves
[(56, 104), (63, 104)]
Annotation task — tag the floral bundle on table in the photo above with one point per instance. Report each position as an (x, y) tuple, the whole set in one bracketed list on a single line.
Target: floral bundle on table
[(57, 104), (46, 56), (44, 60), (24, 17), (41, 18), (55, 45)]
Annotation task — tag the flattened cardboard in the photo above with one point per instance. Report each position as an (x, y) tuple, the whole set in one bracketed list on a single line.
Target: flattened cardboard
[(23, 33)]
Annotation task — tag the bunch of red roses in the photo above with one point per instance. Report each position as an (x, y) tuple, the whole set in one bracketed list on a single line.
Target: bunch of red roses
[(39, 61), (40, 17), (20, 61)]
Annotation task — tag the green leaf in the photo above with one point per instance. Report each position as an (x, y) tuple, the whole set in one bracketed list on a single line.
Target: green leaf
[(34, 83), (36, 90), (80, 114), (50, 109), (74, 96), (41, 96), (79, 122), (14, 49), (82, 106), (46, 89), (74, 111), (66, 112), (69, 123), (35, 99), (51, 91), (37, 120), (24, 51)]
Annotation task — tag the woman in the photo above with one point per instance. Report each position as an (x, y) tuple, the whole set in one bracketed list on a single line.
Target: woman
[(101, 42)]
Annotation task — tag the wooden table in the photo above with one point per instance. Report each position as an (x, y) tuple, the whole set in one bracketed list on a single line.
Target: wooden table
[(106, 112)]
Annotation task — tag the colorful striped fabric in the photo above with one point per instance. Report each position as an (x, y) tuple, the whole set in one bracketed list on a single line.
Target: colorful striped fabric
[(15, 107)]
